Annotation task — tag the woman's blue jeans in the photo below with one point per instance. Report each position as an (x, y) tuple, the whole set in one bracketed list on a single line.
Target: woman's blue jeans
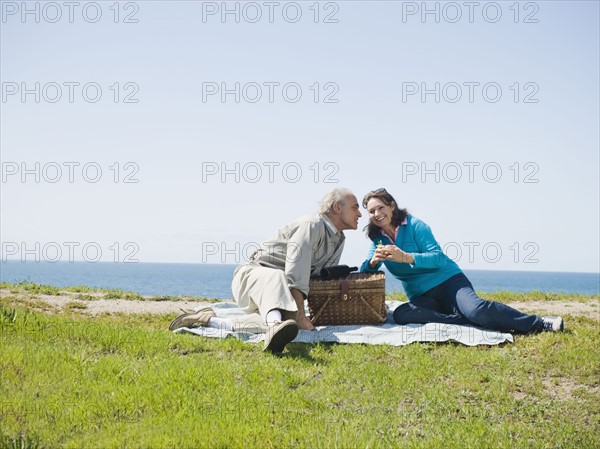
[(455, 302)]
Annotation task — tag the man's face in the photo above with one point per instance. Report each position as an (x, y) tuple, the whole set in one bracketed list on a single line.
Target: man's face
[(349, 214)]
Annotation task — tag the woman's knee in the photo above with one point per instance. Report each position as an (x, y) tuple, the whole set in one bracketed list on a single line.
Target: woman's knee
[(480, 313), (401, 313)]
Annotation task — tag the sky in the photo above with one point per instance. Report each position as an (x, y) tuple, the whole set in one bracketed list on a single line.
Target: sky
[(190, 131)]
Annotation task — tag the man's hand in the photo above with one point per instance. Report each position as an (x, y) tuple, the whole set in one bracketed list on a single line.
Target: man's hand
[(301, 320)]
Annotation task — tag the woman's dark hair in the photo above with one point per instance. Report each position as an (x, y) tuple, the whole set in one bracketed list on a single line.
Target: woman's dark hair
[(398, 215)]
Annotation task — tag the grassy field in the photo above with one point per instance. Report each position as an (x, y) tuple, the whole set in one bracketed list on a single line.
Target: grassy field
[(114, 381)]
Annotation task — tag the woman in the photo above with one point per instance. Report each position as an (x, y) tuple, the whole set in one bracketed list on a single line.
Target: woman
[(437, 289)]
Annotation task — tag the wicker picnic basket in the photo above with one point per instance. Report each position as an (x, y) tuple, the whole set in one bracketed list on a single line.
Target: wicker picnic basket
[(356, 299)]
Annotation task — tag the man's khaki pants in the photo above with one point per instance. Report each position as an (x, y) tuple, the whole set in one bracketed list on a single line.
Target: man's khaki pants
[(258, 290)]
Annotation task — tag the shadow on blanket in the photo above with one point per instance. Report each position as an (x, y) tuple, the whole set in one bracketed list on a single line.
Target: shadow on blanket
[(387, 333)]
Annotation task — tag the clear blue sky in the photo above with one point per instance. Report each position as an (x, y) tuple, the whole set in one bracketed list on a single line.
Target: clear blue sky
[(484, 123)]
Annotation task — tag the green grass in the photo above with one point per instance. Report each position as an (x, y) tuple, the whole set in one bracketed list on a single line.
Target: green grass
[(507, 296), (30, 287), (76, 305), (92, 293), (116, 381)]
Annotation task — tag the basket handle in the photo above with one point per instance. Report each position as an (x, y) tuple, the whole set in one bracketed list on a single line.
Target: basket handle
[(382, 318), (318, 314)]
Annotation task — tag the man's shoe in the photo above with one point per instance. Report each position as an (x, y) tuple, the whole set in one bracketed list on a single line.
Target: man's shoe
[(279, 335), (193, 319), (553, 323)]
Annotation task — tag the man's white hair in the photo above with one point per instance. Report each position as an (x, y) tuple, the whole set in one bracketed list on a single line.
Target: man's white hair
[(335, 196)]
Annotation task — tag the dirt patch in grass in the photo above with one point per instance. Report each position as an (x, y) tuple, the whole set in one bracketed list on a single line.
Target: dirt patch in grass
[(65, 300), (589, 309), (565, 388)]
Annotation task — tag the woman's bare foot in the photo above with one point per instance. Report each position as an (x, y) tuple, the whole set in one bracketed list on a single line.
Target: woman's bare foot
[(304, 323)]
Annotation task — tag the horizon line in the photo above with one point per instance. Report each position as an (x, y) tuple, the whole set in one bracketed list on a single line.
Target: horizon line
[(237, 264)]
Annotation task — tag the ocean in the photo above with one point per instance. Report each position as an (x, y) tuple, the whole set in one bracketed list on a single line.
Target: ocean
[(214, 280)]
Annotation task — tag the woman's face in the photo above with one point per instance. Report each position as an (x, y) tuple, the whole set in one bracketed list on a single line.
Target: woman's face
[(380, 213)]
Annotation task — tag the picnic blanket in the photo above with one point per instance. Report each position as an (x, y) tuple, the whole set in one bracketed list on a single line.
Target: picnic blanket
[(388, 333)]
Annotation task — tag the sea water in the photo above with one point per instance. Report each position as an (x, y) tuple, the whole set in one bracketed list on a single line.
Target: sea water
[(214, 280)]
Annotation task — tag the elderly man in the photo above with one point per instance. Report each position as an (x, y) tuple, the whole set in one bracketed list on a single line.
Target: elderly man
[(272, 287)]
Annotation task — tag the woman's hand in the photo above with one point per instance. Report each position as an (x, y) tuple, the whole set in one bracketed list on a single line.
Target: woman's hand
[(391, 253), (378, 256)]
